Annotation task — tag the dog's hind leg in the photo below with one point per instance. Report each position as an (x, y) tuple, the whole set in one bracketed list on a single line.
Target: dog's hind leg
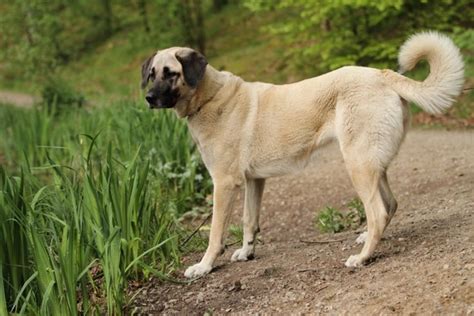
[(369, 136), (253, 198), (389, 202), (368, 184)]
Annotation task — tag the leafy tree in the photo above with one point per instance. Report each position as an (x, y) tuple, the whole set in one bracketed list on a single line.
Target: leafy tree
[(28, 39), (324, 35)]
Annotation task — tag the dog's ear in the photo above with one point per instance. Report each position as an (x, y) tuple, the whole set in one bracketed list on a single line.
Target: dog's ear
[(146, 71), (194, 66)]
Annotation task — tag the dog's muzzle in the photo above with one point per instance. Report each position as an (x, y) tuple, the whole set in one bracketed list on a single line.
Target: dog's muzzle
[(162, 98), (153, 101)]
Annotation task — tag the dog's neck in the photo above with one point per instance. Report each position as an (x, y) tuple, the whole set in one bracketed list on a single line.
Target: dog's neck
[(210, 86)]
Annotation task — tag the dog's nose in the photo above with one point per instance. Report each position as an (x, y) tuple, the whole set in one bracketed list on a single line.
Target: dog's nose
[(150, 98)]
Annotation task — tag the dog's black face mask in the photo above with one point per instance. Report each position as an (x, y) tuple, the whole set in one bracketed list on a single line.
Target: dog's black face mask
[(174, 73), (164, 92)]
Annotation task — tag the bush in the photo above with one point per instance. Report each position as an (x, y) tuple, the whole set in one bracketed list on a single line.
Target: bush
[(325, 35), (332, 220), (58, 94)]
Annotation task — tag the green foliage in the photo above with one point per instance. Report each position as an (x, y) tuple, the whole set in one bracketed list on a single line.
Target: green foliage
[(325, 35), (357, 209), (297, 39), (332, 220), (27, 37), (237, 233), (40, 38), (57, 95), (464, 38), (56, 238), (80, 215), (163, 140)]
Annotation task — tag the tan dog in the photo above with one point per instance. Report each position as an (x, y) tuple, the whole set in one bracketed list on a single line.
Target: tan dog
[(247, 132)]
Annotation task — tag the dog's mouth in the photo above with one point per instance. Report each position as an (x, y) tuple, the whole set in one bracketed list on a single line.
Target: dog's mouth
[(158, 104)]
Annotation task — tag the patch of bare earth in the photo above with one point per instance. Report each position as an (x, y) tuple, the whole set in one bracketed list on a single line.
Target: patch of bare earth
[(17, 99), (424, 265)]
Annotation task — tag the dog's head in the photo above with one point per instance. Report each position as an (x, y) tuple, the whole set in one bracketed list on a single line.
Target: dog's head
[(173, 74)]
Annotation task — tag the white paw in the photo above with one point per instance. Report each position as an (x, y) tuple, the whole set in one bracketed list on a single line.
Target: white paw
[(354, 261), (197, 270), (243, 254), (362, 238)]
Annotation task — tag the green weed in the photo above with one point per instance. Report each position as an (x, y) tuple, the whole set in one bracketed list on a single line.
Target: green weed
[(236, 233), (332, 220)]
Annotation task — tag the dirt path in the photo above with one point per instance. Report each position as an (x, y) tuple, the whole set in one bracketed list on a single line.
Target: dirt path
[(16, 98), (424, 265)]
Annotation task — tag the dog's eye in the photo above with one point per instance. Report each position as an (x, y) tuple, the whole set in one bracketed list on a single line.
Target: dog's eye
[(170, 74), (152, 74)]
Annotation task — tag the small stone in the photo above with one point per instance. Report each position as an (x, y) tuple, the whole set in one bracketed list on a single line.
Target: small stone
[(236, 286), (469, 266), (200, 297), (446, 267)]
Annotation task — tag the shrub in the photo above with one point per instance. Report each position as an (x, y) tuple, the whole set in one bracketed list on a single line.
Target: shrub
[(58, 94), (332, 220)]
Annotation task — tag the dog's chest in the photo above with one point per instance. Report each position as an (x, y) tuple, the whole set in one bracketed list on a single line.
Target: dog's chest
[(219, 150), (205, 151)]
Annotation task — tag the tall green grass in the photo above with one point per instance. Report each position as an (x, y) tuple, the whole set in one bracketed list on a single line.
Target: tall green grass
[(33, 135), (88, 201)]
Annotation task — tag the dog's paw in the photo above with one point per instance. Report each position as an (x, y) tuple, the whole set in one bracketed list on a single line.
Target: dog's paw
[(362, 238), (354, 261), (243, 254), (197, 270)]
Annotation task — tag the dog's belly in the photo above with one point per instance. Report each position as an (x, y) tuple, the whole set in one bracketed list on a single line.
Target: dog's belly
[(277, 168), (289, 159)]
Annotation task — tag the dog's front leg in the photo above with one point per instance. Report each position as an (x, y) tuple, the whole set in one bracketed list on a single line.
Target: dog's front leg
[(225, 192), (253, 198)]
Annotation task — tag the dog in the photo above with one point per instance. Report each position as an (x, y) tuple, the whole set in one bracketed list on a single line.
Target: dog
[(249, 131)]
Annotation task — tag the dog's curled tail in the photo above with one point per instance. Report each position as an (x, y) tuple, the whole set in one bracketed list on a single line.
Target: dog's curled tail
[(444, 83)]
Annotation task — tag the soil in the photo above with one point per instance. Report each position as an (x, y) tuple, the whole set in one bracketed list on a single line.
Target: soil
[(424, 264), (17, 99)]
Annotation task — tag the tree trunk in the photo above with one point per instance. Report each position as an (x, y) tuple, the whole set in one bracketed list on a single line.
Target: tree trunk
[(192, 19), (108, 17), (201, 35), (217, 5), (184, 12), (144, 15)]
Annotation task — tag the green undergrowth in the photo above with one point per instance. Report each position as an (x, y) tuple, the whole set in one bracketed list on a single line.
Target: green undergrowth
[(333, 220), (89, 199)]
